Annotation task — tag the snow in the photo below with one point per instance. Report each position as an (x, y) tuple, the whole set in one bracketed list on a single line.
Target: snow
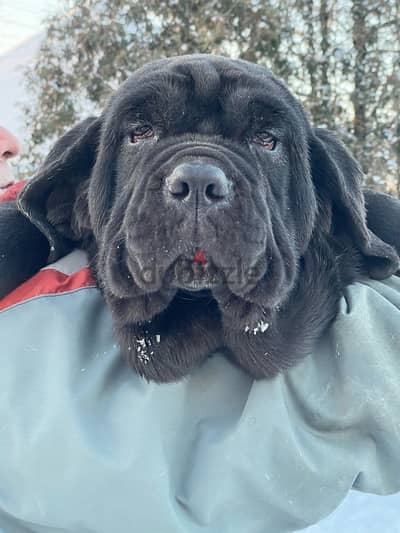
[(142, 350), (362, 513), (260, 327)]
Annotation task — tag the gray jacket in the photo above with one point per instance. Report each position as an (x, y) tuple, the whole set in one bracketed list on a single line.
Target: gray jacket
[(86, 446)]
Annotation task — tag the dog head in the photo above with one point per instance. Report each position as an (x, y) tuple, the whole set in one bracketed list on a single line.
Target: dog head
[(202, 174)]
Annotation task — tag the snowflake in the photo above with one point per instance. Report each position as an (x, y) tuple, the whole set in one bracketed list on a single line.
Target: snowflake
[(261, 327)]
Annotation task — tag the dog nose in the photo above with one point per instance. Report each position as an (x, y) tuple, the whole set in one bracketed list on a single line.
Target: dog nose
[(206, 182)]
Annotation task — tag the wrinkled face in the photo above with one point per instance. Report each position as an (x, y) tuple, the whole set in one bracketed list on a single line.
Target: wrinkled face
[(210, 165)]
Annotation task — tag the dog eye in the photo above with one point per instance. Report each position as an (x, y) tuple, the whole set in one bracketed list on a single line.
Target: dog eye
[(141, 132), (266, 140)]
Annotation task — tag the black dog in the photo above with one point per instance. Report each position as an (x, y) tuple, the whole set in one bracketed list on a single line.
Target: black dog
[(213, 214)]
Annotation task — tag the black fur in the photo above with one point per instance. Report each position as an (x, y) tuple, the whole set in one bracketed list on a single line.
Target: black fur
[(279, 251), (23, 248)]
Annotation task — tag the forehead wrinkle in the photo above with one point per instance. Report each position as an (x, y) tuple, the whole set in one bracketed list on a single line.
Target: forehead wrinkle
[(261, 105), (207, 83), (236, 109), (161, 95), (203, 80)]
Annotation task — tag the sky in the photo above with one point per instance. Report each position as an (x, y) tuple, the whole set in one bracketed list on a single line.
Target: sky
[(21, 30), (22, 19)]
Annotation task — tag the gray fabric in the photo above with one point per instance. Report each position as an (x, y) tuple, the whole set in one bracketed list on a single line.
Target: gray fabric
[(87, 446)]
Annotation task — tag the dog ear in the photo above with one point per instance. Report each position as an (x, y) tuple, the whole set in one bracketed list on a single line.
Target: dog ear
[(338, 178), (49, 198), (102, 183)]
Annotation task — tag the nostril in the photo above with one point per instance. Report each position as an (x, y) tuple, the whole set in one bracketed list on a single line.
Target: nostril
[(214, 193), (183, 192), (179, 189)]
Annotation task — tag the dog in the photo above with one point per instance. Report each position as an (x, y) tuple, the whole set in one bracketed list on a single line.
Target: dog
[(215, 217)]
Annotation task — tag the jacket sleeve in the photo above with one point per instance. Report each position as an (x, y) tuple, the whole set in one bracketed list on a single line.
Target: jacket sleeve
[(86, 445), (23, 248)]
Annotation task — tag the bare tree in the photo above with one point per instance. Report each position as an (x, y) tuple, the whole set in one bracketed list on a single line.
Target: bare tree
[(341, 57)]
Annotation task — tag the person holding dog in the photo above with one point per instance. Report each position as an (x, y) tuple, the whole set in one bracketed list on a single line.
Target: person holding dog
[(9, 148)]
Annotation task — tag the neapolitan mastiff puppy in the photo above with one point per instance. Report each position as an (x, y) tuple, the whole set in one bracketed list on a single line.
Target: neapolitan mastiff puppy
[(214, 215)]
